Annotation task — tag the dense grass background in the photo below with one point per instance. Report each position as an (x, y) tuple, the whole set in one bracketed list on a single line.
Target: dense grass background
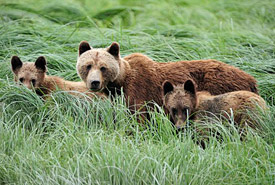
[(69, 140)]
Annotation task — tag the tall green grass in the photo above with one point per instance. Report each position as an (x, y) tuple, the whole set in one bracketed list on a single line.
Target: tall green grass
[(72, 140)]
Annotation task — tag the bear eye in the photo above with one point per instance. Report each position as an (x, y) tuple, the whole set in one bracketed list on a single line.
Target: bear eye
[(89, 67), (33, 82), (174, 111), (103, 69), (21, 80)]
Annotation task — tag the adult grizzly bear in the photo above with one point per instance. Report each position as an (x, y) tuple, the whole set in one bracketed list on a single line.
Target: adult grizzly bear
[(102, 69)]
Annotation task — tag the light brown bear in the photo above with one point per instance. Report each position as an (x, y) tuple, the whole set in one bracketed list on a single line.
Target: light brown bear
[(184, 101), (33, 76), (102, 69)]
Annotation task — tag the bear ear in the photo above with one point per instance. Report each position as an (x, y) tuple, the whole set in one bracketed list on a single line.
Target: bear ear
[(167, 87), (190, 87), (16, 63), (83, 47), (41, 63), (114, 49)]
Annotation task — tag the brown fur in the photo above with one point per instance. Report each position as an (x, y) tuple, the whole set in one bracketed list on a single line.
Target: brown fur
[(182, 101), (142, 78), (33, 76), (93, 68)]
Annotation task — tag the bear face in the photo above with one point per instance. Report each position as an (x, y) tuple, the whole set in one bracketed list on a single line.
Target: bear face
[(98, 67), (179, 101), (29, 74)]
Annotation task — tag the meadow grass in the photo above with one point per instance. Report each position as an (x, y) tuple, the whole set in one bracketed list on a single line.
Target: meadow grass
[(72, 140)]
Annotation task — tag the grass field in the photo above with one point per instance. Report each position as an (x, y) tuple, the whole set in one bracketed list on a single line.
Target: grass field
[(69, 140)]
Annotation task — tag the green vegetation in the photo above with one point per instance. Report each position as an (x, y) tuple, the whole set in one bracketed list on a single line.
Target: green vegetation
[(69, 140)]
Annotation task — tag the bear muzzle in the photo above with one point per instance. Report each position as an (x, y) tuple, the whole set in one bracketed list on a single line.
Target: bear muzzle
[(180, 124), (94, 80), (28, 85), (95, 85)]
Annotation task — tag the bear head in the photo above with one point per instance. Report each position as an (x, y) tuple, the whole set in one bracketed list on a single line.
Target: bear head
[(28, 73), (97, 67), (179, 101)]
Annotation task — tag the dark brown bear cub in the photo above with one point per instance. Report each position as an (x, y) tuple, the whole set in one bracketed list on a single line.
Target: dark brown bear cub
[(183, 101)]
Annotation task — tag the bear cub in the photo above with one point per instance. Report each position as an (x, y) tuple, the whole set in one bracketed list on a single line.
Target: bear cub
[(33, 76), (183, 101)]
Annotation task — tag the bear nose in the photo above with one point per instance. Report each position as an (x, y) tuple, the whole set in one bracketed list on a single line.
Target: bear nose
[(95, 84), (180, 125)]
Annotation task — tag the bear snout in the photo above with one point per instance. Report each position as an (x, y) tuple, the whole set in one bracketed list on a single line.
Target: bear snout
[(95, 85), (28, 85), (180, 124), (94, 80)]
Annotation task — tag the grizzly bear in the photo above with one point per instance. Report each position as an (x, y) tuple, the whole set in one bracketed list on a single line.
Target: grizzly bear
[(33, 76), (183, 101), (141, 78)]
